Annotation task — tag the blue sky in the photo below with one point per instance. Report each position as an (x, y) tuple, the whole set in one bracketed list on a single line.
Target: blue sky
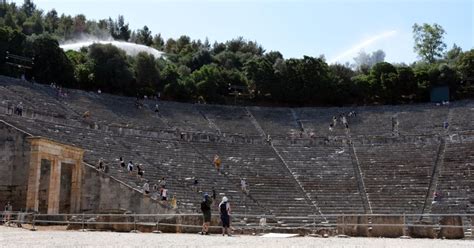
[(339, 29)]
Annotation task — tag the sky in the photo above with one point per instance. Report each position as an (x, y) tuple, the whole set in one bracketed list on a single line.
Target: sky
[(337, 29)]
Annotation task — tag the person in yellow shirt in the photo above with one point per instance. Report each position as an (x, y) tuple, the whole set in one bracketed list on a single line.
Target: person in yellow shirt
[(217, 162)]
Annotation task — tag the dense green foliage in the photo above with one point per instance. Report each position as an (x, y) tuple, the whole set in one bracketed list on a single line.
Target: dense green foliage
[(195, 70)]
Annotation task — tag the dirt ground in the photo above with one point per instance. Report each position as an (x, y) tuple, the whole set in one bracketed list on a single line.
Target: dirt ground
[(55, 237)]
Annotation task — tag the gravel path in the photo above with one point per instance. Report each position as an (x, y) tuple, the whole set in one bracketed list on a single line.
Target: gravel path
[(15, 237)]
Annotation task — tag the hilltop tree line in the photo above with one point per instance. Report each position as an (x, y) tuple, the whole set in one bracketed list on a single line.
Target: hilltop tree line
[(195, 70)]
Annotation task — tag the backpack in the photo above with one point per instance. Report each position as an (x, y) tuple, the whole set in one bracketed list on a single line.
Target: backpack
[(204, 206)]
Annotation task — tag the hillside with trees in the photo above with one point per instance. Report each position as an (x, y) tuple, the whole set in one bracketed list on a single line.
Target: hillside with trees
[(221, 72)]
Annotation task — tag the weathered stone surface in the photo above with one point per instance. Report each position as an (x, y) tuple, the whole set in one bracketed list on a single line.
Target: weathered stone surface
[(422, 232), (451, 232), (14, 161), (388, 231), (100, 192), (57, 153), (346, 225)]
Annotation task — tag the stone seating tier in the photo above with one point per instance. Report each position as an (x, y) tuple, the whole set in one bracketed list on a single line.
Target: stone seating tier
[(396, 175)]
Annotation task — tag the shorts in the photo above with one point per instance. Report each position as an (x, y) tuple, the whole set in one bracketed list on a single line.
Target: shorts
[(225, 219), (207, 217), (163, 198)]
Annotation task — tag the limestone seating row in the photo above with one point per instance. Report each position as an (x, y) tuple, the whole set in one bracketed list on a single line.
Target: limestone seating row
[(276, 122), (19, 91), (269, 182), (229, 119), (405, 173), (180, 159), (116, 110), (93, 142), (456, 180), (327, 174)]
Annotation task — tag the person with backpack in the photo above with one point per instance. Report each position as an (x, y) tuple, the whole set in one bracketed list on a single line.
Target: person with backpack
[(224, 210), (206, 214)]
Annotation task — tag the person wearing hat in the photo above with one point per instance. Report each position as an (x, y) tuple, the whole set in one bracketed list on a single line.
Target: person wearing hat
[(224, 210), (206, 213)]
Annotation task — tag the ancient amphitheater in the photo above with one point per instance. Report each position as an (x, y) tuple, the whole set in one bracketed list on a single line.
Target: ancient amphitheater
[(390, 161)]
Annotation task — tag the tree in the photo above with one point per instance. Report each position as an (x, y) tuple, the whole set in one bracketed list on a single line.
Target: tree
[(259, 72), (200, 58), (144, 36), (453, 55), (158, 42), (111, 69), (342, 87), (465, 66), (65, 27), (51, 21), (79, 24), (28, 7), (209, 83), (118, 29), (429, 41), (51, 63), (146, 73)]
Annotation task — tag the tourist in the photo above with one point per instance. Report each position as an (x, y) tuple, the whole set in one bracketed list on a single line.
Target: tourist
[(19, 109), (122, 163), (163, 182), (243, 185), (139, 171), (155, 187), (106, 168), (99, 91), (344, 121), (130, 167), (195, 185), (146, 188), (8, 210), (157, 110), (206, 213), (164, 193), (214, 195), (224, 210), (436, 197), (101, 164), (334, 121), (173, 202), (86, 114), (446, 124), (217, 163), (269, 139), (331, 127)]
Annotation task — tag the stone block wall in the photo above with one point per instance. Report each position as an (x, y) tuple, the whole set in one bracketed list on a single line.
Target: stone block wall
[(14, 163), (388, 231), (101, 192)]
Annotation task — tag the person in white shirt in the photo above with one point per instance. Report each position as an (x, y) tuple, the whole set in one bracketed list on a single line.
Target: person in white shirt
[(146, 188), (243, 185), (164, 193), (130, 167)]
